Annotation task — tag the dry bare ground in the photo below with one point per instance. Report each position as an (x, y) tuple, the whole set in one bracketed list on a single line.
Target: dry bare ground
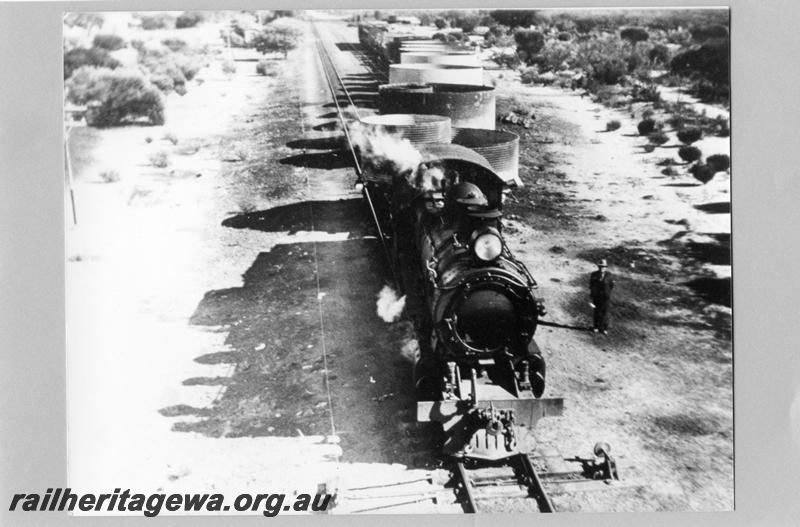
[(210, 301)]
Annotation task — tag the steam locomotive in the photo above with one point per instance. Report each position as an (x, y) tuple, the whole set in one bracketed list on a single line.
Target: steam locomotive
[(480, 372)]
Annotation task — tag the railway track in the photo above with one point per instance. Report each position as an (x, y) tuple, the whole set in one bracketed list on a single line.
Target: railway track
[(522, 482)]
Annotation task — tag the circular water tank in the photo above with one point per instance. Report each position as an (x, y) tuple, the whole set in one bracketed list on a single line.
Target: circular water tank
[(500, 148), (439, 73), (432, 57), (466, 105), (418, 129)]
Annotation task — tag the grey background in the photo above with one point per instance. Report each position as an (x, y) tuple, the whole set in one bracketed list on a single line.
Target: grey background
[(766, 38)]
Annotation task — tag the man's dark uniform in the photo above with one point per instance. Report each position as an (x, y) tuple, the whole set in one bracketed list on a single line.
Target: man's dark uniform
[(600, 287)]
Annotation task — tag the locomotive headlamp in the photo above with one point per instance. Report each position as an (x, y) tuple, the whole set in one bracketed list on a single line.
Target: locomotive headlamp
[(487, 244)]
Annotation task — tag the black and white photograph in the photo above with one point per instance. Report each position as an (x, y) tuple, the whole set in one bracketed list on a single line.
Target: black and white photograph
[(386, 261)]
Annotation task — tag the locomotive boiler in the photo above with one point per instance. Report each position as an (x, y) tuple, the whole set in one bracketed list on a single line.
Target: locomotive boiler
[(480, 372)]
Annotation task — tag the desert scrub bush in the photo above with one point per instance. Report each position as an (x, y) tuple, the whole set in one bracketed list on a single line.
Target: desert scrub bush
[(276, 39), (115, 97), (79, 57), (159, 159), (150, 22), (689, 154), (109, 176), (658, 54), (613, 125), (634, 34), (702, 173), (228, 67), (266, 68), (609, 71), (646, 126), (688, 136), (170, 71), (174, 44), (719, 162), (529, 43), (108, 42), (506, 58), (676, 121), (645, 93), (657, 138), (704, 33), (710, 61), (554, 57), (172, 138), (188, 19), (532, 76)]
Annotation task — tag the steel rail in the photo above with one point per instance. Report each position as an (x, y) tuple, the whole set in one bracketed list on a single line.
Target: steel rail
[(323, 54), (471, 505)]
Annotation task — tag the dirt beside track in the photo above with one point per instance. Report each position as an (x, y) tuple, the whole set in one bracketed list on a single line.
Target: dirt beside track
[(221, 311)]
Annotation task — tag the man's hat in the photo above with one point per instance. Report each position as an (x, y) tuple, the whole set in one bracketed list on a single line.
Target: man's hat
[(602, 263)]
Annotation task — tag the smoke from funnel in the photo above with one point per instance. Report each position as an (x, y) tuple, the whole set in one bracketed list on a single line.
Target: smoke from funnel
[(390, 306), (384, 151)]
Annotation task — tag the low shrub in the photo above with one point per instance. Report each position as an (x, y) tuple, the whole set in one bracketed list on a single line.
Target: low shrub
[(634, 34), (689, 153), (704, 33), (276, 39), (172, 138), (266, 67), (108, 42), (170, 71), (115, 97), (159, 159), (78, 57), (609, 70), (174, 44), (646, 126), (702, 173), (188, 19), (109, 176), (151, 22), (719, 162), (555, 57), (506, 59), (613, 125), (657, 138), (688, 136), (645, 93), (529, 43), (710, 61), (228, 67), (658, 54)]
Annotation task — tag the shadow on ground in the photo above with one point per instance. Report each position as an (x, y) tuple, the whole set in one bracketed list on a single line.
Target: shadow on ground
[(349, 215), (279, 322)]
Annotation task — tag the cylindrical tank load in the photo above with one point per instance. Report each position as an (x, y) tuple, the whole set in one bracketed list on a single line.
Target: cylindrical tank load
[(466, 105), (418, 129), (500, 148), (438, 73)]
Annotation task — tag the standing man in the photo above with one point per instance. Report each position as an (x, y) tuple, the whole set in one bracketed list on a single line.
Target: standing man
[(600, 286)]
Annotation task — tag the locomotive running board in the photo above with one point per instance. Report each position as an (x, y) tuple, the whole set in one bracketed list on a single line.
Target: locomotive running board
[(527, 411)]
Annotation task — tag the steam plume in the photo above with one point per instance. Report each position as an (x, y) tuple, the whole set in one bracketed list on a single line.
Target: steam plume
[(389, 305)]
